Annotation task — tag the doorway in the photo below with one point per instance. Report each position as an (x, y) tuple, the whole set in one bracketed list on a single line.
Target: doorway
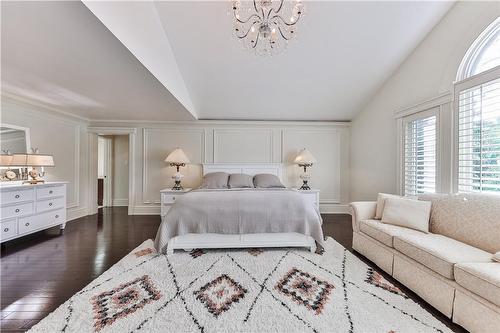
[(112, 170)]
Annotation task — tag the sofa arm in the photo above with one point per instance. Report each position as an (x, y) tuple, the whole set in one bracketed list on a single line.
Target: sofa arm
[(362, 210)]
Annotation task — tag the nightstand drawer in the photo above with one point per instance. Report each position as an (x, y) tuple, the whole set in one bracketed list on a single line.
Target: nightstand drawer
[(9, 228), (17, 210), (9, 197), (169, 198)]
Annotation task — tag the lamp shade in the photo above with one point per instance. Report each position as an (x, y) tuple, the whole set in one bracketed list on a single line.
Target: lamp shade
[(39, 160), (5, 160), (304, 157), (19, 160), (177, 157)]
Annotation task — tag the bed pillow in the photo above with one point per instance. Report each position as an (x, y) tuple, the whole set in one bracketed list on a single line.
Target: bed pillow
[(407, 213), (381, 203), (266, 180), (240, 180), (496, 257), (215, 180)]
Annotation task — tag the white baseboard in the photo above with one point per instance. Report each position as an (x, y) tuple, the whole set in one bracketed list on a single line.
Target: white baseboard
[(334, 208), (324, 208), (75, 213), (120, 202)]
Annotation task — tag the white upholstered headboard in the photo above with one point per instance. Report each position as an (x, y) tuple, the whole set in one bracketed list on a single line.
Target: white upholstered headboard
[(249, 168)]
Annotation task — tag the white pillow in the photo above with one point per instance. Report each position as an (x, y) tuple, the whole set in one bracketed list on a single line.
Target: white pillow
[(407, 213), (496, 257), (381, 203)]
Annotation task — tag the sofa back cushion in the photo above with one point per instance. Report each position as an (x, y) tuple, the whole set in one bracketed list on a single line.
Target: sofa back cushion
[(471, 218)]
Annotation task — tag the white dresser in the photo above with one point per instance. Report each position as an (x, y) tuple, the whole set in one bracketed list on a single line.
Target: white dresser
[(168, 198), (25, 209)]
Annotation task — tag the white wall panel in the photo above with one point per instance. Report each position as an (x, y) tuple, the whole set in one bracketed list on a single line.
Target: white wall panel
[(243, 145)]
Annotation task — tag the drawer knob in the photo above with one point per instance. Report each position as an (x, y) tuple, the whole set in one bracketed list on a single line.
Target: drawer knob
[(17, 210), (50, 203), (6, 229), (17, 196), (27, 224), (50, 192), (57, 216)]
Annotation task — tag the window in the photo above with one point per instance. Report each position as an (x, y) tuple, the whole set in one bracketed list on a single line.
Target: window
[(479, 138), (477, 103), (420, 154)]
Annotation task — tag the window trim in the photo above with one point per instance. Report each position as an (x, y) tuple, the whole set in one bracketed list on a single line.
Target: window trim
[(434, 110)]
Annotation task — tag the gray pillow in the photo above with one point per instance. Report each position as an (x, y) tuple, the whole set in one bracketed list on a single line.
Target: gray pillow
[(215, 180), (240, 180), (266, 180)]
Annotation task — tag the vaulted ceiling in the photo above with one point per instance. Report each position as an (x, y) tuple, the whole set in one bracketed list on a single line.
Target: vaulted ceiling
[(178, 60)]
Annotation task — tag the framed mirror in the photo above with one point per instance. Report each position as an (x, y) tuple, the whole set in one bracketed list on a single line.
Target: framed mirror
[(15, 139)]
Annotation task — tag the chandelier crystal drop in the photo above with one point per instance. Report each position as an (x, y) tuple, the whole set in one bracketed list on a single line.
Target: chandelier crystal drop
[(266, 26)]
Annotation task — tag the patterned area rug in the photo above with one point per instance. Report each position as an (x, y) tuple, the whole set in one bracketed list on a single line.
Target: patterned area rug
[(281, 290)]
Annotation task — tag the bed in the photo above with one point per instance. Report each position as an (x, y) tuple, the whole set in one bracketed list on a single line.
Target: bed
[(240, 218)]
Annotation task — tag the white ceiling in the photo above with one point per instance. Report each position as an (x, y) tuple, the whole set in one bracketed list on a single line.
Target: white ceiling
[(344, 53), (60, 55)]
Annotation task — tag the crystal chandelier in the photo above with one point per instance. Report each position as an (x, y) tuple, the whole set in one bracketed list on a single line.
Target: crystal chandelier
[(266, 26)]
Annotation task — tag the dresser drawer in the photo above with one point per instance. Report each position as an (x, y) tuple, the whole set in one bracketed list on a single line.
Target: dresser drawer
[(49, 204), (50, 191), (17, 210), (9, 229), (41, 221), (9, 197)]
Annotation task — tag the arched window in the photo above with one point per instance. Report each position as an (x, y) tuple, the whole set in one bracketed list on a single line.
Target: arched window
[(477, 112), (483, 54)]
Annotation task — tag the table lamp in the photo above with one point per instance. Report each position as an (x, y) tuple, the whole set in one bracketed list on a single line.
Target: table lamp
[(305, 159), (178, 159)]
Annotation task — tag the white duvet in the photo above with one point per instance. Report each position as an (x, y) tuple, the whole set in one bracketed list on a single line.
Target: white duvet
[(240, 211)]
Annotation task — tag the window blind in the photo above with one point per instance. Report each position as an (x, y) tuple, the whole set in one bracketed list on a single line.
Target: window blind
[(420, 156), (479, 138)]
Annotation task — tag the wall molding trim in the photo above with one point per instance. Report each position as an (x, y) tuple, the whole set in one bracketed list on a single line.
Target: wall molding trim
[(75, 213), (446, 97), (123, 202), (112, 130)]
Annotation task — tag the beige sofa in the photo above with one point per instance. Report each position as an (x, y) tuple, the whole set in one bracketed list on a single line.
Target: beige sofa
[(451, 267)]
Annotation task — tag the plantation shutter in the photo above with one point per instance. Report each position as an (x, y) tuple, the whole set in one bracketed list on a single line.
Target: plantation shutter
[(420, 155), (479, 138)]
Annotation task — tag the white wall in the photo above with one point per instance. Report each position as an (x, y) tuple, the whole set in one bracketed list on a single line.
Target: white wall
[(241, 142), (120, 170), (428, 72), (61, 136), (100, 156)]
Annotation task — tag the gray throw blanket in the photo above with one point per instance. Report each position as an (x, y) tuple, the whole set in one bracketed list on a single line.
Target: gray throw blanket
[(240, 211)]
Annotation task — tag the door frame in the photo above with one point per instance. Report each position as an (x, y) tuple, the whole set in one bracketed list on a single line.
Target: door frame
[(93, 133)]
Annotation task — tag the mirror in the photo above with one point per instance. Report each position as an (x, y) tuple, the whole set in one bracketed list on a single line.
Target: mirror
[(14, 139)]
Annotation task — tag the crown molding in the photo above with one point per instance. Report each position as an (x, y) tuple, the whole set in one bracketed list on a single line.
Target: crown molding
[(433, 102)]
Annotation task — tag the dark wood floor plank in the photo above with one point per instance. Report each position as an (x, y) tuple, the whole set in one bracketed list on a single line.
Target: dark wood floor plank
[(41, 271)]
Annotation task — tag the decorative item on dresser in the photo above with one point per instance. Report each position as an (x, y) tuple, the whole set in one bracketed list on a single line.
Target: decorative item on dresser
[(168, 198), (311, 196), (33, 160), (177, 158), (26, 209), (304, 160), (6, 161)]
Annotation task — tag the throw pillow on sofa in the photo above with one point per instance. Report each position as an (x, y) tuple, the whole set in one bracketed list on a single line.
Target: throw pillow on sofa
[(407, 213), (381, 203), (496, 257)]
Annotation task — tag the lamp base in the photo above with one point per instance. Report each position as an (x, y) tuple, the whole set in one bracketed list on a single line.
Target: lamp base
[(304, 186), (177, 186), (34, 181)]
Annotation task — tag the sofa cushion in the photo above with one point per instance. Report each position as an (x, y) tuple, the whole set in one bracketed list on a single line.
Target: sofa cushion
[(383, 232), (438, 252), (472, 218), (482, 279), (381, 204), (407, 213)]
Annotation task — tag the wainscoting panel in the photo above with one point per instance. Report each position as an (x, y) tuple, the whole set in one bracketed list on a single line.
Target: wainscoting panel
[(325, 145), (243, 145), (157, 174)]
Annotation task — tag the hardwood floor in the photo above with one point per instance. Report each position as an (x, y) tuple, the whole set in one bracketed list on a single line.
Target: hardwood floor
[(41, 271)]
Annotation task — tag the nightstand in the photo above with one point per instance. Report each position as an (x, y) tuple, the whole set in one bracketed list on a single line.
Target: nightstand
[(168, 197), (311, 196)]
